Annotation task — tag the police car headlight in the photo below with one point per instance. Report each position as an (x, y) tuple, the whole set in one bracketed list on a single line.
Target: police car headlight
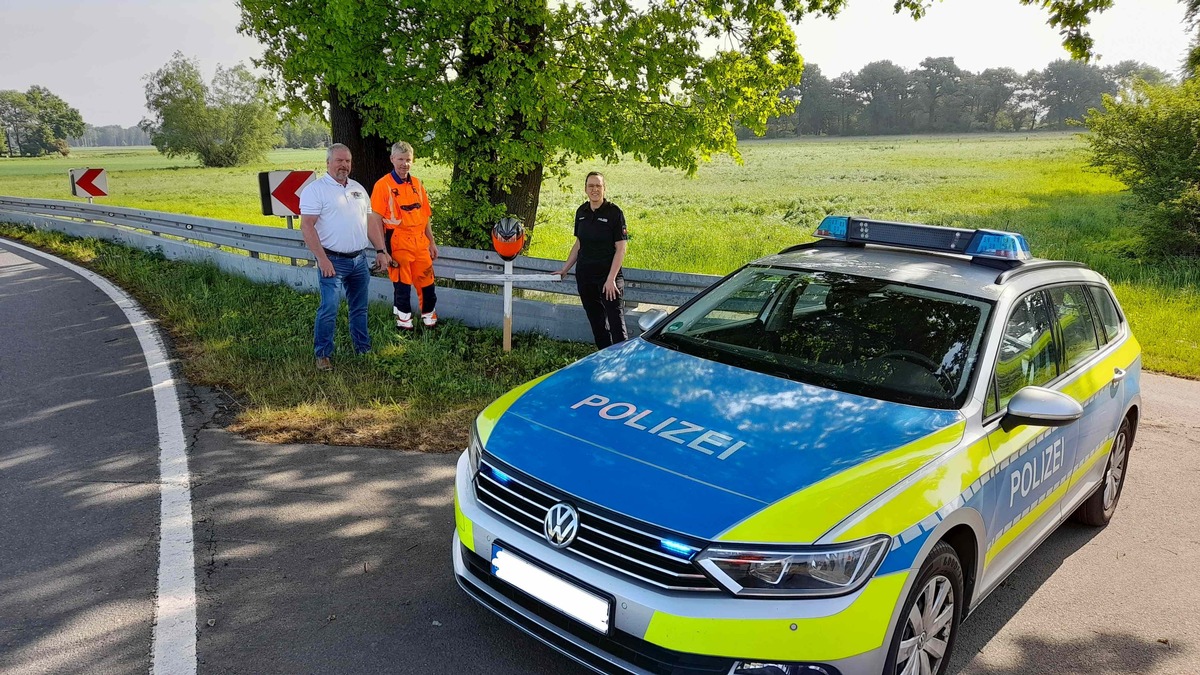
[(474, 450), (802, 571)]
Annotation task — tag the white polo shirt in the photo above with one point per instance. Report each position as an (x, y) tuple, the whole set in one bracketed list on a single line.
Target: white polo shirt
[(341, 213)]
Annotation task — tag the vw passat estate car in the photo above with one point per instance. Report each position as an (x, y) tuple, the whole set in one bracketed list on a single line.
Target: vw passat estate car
[(818, 466)]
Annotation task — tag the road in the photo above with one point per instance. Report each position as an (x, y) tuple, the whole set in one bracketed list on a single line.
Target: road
[(78, 477), (317, 559)]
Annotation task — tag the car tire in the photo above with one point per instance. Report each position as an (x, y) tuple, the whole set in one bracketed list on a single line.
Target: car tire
[(1099, 508), (928, 623)]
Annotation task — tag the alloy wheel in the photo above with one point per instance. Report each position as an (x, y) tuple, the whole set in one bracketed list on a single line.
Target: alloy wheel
[(927, 629), (1116, 470)]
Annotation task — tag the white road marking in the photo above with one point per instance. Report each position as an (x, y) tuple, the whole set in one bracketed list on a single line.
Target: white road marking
[(174, 640)]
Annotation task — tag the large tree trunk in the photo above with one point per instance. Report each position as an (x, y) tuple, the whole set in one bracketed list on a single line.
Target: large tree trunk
[(522, 199), (370, 152), (475, 179)]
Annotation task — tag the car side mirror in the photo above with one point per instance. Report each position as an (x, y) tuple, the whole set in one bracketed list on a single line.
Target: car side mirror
[(650, 319), (1040, 407)]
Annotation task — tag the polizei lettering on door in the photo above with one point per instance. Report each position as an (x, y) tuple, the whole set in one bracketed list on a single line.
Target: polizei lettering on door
[(672, 429), (1036, 470)]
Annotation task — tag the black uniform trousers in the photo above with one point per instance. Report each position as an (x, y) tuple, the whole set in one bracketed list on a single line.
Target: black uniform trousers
[(606, 316)]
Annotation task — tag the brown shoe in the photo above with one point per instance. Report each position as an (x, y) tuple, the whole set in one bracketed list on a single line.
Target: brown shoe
[(324, 364)]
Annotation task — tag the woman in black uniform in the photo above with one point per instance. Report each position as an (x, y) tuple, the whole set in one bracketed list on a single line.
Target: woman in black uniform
[(599, 250)]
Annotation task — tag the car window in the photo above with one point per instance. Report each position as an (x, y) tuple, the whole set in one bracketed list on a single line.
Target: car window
[(1028, 352), (863, 336), (1110, 319), (1075, 324)]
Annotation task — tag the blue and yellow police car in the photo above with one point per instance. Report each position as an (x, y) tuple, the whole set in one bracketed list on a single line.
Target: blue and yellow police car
[(818, 466)]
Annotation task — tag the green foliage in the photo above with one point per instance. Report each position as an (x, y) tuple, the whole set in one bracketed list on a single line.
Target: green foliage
[(511, 91), (1150, 140), (1069, 89), (883, 98), (1071, 17), (37, 122), (304, 131), (112, 135), (228, 123)]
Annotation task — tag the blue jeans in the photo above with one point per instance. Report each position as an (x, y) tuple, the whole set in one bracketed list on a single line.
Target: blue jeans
[(354, 276)]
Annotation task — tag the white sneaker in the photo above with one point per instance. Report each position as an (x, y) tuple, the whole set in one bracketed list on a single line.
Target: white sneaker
[(403, 319), (429, 319)]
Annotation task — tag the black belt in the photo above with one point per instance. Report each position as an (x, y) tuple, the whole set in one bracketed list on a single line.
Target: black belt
[(339, 254)]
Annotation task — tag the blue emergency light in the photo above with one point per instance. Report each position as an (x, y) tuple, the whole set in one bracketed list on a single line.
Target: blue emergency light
[(975, 243), (503, 478), (680, 549)]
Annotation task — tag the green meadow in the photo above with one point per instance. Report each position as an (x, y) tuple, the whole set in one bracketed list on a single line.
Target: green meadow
[(729, 213)]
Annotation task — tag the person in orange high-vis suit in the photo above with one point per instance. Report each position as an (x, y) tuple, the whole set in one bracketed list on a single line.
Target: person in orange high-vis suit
[(399, 202)]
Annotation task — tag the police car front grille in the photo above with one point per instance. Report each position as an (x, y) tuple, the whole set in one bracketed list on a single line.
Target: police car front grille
[(603, 540)]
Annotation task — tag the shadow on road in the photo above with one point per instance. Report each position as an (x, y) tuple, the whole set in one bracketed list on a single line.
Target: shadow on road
[(318, 559), (78, 477), (1109, 651)]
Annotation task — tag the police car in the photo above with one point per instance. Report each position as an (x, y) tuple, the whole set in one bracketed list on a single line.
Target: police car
[(818, 466)]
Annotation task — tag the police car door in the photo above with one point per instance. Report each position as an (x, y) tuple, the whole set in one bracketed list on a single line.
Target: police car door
[(1033, 463), (1089, 378)]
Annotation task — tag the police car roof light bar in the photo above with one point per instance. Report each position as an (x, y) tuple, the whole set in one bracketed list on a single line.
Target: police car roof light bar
[(991, 244)]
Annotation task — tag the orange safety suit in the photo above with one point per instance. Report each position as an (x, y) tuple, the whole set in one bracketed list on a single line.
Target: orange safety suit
[(404, 207)]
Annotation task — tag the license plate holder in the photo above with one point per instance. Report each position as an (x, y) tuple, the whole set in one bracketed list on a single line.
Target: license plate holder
[(566, 596)]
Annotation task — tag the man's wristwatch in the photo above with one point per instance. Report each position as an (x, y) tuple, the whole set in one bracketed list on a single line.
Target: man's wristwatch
[(379, 250)]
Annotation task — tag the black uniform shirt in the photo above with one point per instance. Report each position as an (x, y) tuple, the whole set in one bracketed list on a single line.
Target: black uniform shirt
[(598, 232)]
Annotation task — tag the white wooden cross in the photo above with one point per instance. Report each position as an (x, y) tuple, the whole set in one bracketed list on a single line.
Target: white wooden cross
[(507, 279)]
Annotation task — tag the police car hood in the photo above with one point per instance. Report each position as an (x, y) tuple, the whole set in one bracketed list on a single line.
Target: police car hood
[(694, 445)]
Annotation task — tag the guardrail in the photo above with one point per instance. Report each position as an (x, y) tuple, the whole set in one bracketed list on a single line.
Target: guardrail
[(238, 247)]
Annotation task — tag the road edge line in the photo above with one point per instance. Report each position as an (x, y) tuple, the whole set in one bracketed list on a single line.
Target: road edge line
[(174, 636)]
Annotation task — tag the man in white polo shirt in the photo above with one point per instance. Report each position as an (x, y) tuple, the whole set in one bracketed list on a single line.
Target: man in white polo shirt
[(333, 220)]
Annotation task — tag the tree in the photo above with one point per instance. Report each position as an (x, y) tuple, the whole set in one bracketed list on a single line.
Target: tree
[(1123, 73), (111, 135), (1068, 89), (847, 103), (16, 117), (814, 103), (56, 120), (228, 123), (514, 90), (1191, 62), (938, 85), (994, 90), (1149, 141), (305, 131), (883, 87), (38, 122)]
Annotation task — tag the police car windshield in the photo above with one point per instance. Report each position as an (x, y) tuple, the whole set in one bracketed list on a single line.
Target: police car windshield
[(854, 334)]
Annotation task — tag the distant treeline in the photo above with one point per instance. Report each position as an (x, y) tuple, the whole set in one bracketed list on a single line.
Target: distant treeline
[(940, 97), (108, 136), (299, 132)]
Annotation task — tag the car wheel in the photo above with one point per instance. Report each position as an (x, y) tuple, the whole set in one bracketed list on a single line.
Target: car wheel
[(1099, 508), (928, 623)]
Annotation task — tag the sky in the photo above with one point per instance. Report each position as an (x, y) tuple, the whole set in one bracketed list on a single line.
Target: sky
[(94, 54)]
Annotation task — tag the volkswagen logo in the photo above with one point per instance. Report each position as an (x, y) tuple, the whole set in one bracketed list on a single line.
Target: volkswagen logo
[(562, 524)]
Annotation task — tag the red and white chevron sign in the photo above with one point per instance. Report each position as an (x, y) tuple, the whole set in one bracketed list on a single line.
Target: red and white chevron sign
[(89, 183), (285, 187)]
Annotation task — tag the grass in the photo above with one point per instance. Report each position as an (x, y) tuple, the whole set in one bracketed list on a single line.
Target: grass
[(1037, 184), (416, 392)]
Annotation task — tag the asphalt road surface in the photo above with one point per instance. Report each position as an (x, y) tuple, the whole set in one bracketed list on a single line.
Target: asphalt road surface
[(78, 470), (316, 559)]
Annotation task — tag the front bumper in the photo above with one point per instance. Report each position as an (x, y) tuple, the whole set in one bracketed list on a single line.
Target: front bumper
[(655, 631)]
